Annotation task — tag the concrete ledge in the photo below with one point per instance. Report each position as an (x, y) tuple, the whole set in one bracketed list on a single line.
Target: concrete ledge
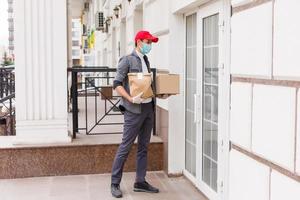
[(57, 160), (8, 142)]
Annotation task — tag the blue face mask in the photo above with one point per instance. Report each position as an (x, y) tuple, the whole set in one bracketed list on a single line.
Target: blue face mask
[(146, 48)]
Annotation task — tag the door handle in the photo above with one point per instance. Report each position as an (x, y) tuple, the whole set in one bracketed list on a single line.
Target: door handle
[(221, 68)]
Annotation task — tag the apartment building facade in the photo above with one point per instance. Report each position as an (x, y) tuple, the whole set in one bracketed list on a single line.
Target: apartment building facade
[(10, 19), (233, 130), (76, 42)]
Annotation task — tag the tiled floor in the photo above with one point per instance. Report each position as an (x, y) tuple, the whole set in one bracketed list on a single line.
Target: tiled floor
[(95, 187)]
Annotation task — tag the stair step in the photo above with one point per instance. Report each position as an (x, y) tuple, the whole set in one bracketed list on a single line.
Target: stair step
[(75, 159)]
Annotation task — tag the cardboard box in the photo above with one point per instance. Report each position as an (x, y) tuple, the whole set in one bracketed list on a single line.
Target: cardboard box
[(162, 71), (106, 92), (167, 84)]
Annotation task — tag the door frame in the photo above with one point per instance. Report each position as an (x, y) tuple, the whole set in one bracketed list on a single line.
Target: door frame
[(223, 7)]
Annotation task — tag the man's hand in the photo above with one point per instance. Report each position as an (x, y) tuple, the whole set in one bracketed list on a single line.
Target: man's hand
[(163, 96), (138, 99)]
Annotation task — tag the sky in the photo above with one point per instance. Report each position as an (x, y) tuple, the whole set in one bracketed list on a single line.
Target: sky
[(3, 23)]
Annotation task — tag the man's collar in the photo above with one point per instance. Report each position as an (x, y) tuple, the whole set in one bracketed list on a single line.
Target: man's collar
[(136, 53), (139, 53), (133, 53)]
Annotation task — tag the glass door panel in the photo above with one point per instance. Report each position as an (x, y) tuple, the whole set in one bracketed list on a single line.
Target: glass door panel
[(210, 61), (191, 83)]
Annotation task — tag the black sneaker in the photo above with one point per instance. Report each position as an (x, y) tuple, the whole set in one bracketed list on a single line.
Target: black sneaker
[(115, 190), (144, 187)]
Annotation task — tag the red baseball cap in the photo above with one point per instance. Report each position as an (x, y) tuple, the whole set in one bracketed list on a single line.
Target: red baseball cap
[(141, 35)]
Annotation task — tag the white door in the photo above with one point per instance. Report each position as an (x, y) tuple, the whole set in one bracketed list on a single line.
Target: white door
[(203, 98)]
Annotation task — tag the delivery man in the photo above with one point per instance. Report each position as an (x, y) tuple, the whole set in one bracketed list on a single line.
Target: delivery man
[(138, 116)]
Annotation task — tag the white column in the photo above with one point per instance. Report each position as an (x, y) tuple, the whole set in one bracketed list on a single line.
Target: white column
[(41, 77), (176, 137)]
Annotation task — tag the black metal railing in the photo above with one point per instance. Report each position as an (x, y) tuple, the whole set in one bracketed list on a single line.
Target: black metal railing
[(7, 115), (7, 101), (95, 82), (7, 81)]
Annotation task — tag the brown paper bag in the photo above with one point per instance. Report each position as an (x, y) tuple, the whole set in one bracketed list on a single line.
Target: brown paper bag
[(139, 82)]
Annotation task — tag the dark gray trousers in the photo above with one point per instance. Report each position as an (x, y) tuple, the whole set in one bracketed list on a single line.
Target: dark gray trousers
[(135, 125)]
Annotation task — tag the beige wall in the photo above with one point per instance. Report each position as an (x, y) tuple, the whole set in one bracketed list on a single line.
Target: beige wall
[(264, 100)]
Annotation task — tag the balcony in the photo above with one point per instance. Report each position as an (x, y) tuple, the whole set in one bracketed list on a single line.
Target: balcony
[(91, 153), (96, 125), (11, 38), (11, 47), (10, 9)]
